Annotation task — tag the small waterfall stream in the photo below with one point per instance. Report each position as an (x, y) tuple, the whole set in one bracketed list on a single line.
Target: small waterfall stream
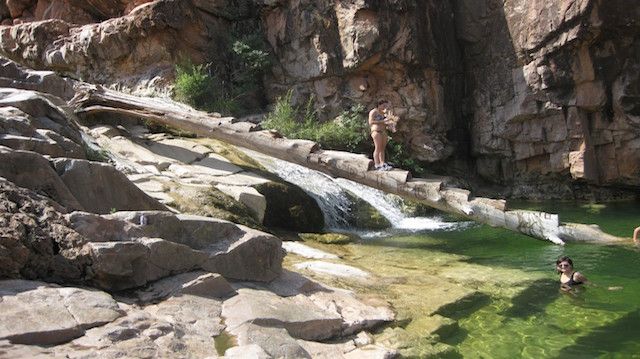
[(332, 197)]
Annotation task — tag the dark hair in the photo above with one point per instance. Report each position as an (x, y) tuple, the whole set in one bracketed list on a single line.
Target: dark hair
[(382, 101), (564, 259)]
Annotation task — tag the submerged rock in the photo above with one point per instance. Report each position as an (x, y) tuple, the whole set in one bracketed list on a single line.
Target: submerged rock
[(333, 269), (364, 215), (306, 251), (327, 238)]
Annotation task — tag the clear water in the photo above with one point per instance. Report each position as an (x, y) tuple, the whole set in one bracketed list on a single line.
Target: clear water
[(522, 313), (539, 321)]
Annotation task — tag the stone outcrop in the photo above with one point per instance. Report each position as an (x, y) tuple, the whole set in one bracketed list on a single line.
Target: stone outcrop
[(75, 184), (130, 249), (37, 313), (34, 124), (285, 315), (100, 188), (126, 249), (180, 316), (77, 12), (15, 76), (116, 42), (38, 122), (36, 240), (343, 53), (552, 92)]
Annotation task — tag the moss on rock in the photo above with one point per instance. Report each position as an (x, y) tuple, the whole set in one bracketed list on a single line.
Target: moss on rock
[(216, 204), (289, 207), (364, 215), (233, 154), (327, 238)]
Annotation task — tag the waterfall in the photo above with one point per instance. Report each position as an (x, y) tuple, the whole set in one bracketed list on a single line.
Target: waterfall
[(390, 206), (331, 195), (332, 199)]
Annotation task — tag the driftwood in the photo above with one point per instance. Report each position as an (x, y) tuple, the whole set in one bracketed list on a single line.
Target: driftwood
[(435, 192)]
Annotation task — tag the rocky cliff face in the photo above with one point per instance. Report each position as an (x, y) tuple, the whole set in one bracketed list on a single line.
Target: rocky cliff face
[(539, 97), (348, 52), (553, 92)]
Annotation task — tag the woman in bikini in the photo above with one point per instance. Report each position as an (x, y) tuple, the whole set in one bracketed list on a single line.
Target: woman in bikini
[(569, 278), (378, 123)]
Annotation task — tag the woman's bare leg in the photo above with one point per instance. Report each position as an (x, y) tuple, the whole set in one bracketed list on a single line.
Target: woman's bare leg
[(378, 152), (383, 148)]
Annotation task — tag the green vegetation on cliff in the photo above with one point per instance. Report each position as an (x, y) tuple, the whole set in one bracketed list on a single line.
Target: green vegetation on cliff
[(348, 132), (230, 87)]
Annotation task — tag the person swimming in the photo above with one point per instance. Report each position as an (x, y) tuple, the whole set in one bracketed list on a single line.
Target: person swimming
[(569, 278)]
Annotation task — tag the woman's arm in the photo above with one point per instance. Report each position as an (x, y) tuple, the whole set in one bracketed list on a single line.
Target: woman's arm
[(578, 277), (636, 232)]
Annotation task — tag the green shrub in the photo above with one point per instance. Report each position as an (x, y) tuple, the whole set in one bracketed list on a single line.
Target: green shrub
[(398, 155), (194, 86), (347, 132), (232, 85)]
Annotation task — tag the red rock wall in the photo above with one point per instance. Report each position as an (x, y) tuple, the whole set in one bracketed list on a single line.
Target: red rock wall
[(355, 52), (553, 92), (537, 96)]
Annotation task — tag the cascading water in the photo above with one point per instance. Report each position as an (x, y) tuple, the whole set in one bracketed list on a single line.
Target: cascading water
[(390, 207), (333, 201), (331, 195)]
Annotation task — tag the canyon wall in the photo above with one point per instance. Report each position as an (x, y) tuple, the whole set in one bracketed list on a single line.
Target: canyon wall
[(539, 98), (552, 96)]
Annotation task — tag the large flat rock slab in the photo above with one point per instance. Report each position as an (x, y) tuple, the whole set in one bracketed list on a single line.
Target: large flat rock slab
[(101, 188), (333, 269), (141, 334), (306, 251), (131, 249), (356, 314), (37, 313), (276, 342), (298, 315), (199, 283)]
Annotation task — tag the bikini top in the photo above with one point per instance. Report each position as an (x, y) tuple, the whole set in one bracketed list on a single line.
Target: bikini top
[(379, 117), (571, 282)]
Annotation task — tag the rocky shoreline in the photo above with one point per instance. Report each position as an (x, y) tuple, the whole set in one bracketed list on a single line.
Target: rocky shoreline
[(133, 277), (151, 282)]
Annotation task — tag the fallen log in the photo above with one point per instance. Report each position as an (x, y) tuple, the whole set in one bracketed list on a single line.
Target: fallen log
[(435, 192)]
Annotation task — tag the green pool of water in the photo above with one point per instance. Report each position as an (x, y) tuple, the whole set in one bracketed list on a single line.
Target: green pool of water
[(536, 321)]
